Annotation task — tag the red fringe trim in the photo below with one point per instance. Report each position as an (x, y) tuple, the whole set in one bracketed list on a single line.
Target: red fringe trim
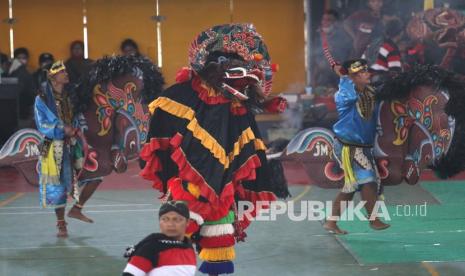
[(203, 93), (153, 164), (184, 74), (192, 227), (217, 206), (220, 241), (254, 196), (247, 172), (212, 210), (249, 195)]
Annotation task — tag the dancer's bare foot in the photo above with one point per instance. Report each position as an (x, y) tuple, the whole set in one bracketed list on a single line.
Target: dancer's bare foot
[(76, 212), (62, 230), (331, 226), (379, 225)]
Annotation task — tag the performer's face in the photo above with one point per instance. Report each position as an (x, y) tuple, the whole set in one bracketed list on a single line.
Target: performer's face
[(61, 77), (361, 78), (173, 225)]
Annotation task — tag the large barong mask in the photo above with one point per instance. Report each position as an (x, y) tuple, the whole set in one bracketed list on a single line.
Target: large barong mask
[(233, 59)]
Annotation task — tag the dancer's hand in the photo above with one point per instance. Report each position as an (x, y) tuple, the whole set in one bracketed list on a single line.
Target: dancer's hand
[(337, 68)]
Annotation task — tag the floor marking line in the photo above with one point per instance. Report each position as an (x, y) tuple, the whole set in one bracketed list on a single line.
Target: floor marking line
[(304, 192), (11, 199), (430, 268)]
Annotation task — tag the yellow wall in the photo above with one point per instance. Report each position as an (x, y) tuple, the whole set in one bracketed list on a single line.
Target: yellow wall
[(47, 26), (4, 29), (185, 19), (111, 21), (50, 25), (281, 23)]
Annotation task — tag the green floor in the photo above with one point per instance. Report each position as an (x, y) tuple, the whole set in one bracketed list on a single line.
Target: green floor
[(436, 234), (28, 245)]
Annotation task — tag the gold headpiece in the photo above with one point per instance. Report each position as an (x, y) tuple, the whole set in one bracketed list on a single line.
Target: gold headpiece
[(357, 66), (57, 67)]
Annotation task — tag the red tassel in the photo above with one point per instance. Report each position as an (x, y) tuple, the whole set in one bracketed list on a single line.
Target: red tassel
[(219, 241), (326, 51), (184, 74), (192, 227)]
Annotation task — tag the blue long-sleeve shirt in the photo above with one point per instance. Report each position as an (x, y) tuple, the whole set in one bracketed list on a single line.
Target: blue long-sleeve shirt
[(47, 122), (351, 127)]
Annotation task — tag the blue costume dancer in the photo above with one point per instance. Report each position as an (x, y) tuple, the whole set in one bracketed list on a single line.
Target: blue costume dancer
[(355, 134), (54, 117), (55, 164)]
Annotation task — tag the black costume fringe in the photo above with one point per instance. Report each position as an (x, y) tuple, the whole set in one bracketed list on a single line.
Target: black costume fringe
[(278, 181)]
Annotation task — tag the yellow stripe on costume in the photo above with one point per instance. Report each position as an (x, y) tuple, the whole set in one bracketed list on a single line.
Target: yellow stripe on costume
[(181, 111), (259, 144), (246, 137), (48, 164), (193, 190), (349, 177), (48, 172), (209, 142), (217, 254)]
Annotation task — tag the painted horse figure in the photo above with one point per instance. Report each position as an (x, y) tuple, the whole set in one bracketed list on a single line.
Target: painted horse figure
[(112, 114), (420, 125)]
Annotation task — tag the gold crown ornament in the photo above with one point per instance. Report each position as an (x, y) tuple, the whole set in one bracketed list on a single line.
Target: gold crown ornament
[(357, 67), (56, 68)]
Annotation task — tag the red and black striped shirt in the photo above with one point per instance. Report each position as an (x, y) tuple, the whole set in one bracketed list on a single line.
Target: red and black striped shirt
[(388, 58), (158, 254)]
